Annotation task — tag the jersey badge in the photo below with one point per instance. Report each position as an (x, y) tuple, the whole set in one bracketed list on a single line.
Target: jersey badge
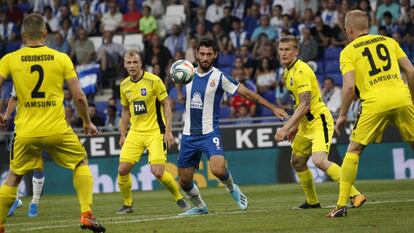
[(143, 91)]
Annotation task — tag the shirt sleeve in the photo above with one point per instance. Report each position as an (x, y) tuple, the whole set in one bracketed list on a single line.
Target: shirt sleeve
[(229, 84), (69, 69), (13, 92), (398, 51), (160, 90), (4, 67), (303, 82), (345, 62)]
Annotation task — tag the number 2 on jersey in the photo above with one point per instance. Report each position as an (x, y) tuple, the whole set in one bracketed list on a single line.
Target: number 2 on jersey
[(36, 93), (383, 54)]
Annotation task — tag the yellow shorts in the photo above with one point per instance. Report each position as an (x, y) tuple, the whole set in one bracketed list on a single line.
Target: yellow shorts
[(135, 144), (26, 152), (314, 136), (369, 128)]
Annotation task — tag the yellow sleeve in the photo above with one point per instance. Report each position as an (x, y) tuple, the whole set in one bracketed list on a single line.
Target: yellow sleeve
[(124, 101), (4, 66), (345, 62), (303, 82), (160, 90), (69, 69), (398, 51)]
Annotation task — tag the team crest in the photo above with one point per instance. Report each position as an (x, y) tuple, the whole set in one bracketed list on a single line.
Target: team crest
[(143, 91), (212, 83)]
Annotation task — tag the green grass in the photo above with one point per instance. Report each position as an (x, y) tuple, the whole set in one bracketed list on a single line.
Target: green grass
[(389, 209)]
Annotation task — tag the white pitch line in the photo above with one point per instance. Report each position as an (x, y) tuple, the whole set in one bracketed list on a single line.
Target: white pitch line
[(375, 203), (146, 219)]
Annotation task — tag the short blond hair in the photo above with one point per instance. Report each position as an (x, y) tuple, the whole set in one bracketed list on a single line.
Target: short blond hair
[(132, 52), (357, 20), (289, 38), (34, 26)]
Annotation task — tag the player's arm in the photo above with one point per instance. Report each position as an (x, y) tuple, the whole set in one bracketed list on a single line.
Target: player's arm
[(124, 123), (408, 70), (166, 102), (348, 94), (244, 91), (11, 105), (81, 104), (302, 109)]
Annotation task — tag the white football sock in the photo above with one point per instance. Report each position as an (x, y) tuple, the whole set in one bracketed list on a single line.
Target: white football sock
[(37, 189), (195, 198)]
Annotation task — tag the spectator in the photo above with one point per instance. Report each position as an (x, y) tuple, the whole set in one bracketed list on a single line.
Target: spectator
[(389, 25), (112, 19), (308, 47), (251, 21), (52, 21), (201, 32), (330, 14), (390, 6), (339, 37), (74, 7), (67, 99), (409, 27), (404, 12), (322, 33), (200, 18), (176, 41), (259, 46), (60, 43), (354, 109), (177, 97), (331, 95), (226, 22), (157, 7), (8, 29), (239, 74), (303, 5), (288, 26), (276, 19), (70, 116), (191, 50), (155, 50), (95, 119), (264, 28), (265, 7), (288, 6), (112, 118), (14, 14), (238, 36), (83, 51), (221, 38), (247, 61), (147, 23), (238, 101), (110, 54), (307, 21), (215, 12), (239, 8), (87, 20), (265, 76), (130, 19), (282, 94), (365, 6), (67, 31)]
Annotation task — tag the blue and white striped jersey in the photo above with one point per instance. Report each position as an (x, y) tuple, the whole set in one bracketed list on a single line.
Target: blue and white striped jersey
[(203, 99)]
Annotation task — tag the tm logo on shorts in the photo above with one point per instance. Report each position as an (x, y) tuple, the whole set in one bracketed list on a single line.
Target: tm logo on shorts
[(140, 107)]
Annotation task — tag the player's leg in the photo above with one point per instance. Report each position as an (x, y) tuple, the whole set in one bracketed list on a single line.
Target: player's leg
[(16, 204), (188, 161), (38, 180), (131, 152), (157, 157), (404, 121), (301, 150), (24, 157), (67, 151)]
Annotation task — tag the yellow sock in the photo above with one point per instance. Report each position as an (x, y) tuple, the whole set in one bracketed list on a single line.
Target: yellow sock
[(169, 182), (83, 183), (7, 197), (334, 171), (306, 182), (348, 174), (125, 186)]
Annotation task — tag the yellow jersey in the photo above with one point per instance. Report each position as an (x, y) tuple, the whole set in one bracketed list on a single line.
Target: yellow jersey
[(38, 75), (299, 78), (143, 98), (379, 85)]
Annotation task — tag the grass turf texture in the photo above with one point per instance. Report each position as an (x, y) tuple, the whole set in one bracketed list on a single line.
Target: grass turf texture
[(389, 209)]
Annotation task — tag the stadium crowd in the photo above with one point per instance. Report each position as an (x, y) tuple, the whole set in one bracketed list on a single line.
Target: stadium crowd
[(100, 31)]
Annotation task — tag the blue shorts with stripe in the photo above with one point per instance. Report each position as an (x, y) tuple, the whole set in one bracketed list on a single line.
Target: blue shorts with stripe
[(193, 146)]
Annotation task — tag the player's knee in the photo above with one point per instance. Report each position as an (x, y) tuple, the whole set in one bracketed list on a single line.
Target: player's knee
[(157, 173), (218, 171), (123, 172), (298, 165)]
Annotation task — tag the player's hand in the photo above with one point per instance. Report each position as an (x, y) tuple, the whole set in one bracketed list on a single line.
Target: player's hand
[(169, 139), (281, 134), (292, 133), (280, 113), (121, 140), (3, 121), (90, 129), (340, 122)]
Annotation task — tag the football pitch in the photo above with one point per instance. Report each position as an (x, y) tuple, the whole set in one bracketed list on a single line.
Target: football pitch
[(389, 208)]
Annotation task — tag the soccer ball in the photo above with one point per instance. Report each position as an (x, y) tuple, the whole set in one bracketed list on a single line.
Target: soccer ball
[(182, 72)]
